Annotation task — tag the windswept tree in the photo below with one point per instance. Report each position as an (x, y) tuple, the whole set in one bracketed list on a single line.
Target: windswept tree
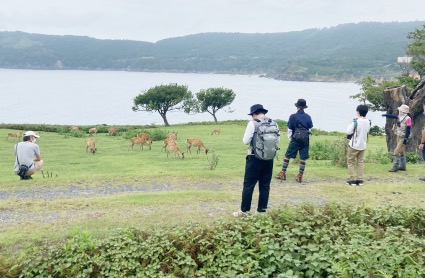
[(162, 98), (213, 99), (416, 49)]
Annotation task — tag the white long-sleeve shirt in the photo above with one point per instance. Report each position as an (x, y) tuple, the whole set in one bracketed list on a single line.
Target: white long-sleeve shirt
[(359, 139)]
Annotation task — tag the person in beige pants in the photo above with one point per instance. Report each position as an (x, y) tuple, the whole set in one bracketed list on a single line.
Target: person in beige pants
[(357, 133)]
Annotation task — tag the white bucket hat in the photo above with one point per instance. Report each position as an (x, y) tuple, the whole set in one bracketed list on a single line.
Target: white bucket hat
[(404, 108)]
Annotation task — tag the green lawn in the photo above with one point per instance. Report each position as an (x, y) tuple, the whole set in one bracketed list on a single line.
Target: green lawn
[(170, 191)]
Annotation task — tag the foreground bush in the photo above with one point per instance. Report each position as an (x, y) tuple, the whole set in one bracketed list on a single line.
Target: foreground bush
[(305, 241)]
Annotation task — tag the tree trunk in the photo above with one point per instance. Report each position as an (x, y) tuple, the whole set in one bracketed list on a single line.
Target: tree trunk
[(393, 98), (215, 118), (164, 118)]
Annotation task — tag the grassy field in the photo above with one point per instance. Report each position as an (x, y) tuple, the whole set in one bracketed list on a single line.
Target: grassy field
[(145, 189)]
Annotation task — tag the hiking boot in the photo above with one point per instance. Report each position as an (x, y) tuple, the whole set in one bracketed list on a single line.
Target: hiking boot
[(240, 214), (396, 162), (299, 178), (281, 176), (351, 183), (359, 182), (402, 164)]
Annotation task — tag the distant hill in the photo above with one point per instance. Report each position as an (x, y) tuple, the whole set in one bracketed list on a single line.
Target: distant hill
[(344, 52)]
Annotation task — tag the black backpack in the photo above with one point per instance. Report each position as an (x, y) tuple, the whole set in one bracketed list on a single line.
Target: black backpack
[(301, 134)]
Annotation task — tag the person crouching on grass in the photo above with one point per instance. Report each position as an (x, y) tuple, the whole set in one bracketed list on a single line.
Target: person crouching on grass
[(28, 153), (357, 132), (402, 131)]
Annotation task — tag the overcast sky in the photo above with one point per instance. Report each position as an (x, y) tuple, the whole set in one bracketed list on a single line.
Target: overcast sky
[(153, 20)]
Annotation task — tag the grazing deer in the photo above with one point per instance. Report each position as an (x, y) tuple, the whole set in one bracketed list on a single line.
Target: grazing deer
[(140, 142), (197, 143), (112, 131), (91, 144), (216, 131), (167, 142), (14, 135), (145, 136), (174, 149), (92, 130), (172, 136)]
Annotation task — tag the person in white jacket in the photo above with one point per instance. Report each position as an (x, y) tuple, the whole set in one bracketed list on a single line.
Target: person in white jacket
[(357, 133)]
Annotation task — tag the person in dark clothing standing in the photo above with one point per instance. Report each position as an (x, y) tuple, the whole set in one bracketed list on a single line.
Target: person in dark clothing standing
[(297, 120), (256, 170)]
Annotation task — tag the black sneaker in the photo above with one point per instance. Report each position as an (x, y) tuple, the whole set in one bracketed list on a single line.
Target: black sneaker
[(26, 178), (359, 182), (351, 183)]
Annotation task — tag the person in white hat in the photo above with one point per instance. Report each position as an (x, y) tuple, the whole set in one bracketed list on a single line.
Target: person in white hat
[(27, 153), (402, 131)]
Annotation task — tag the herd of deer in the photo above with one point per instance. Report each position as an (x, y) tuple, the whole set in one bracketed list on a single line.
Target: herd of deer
[(144, 139)]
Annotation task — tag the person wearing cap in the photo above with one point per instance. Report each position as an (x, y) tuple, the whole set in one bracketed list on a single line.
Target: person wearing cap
[(28, 153), (402, 131), (256, 170), (299, 119)]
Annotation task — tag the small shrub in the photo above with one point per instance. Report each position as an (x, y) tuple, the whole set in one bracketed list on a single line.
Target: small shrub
[(213, 161), (412, 157), (339, 152), (378, 156), (320, 150), (376, 131)]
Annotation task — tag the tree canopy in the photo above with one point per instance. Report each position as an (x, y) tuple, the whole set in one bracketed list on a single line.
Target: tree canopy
[(162, 98), (213, 99), (416, 49), (372, 92)]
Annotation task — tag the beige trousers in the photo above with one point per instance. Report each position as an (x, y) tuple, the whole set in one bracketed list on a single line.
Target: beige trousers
[(37, 166), (400, 149), (355, 157)]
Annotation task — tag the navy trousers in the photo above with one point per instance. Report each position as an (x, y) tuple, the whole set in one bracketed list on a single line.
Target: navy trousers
[(256, 170)]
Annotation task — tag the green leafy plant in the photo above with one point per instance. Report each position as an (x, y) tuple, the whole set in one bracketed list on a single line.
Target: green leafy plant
[(412, 157), (212, 160), (304, 241)]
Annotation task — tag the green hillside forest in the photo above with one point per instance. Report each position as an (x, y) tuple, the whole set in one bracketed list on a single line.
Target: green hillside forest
[(344, 52)]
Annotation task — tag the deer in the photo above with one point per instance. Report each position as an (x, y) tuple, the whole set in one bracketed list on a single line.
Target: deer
[(216, 131), (145, 136), (74, 128), (14, 135), (140, 142), (92, 131), (167, 142), (197, 143), (174, 149), (112, 131), (172, 135), (91, 144)]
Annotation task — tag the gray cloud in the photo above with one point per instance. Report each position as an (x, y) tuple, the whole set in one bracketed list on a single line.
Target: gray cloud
[(155, 20)]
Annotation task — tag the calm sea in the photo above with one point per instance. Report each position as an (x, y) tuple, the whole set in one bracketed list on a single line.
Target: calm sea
[(106, 97)]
